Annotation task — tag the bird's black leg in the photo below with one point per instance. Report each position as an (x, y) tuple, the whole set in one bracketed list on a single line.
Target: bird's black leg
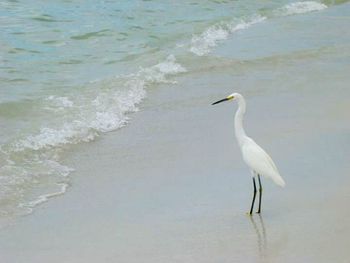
[(251, 208), (260, 194)]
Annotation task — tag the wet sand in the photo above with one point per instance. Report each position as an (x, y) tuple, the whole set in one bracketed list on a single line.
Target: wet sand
[(171, 186)]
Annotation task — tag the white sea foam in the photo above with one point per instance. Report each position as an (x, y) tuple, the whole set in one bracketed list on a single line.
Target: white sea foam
[(61, 101), (202, 44), (300, 8), (58, 103), (33, 161), (45, 197), (49, 137), (20, 176), (105, 112)]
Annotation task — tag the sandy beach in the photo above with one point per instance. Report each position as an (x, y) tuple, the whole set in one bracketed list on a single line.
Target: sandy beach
[(171, 186)]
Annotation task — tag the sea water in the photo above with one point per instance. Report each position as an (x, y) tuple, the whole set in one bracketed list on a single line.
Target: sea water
[(74, 70)]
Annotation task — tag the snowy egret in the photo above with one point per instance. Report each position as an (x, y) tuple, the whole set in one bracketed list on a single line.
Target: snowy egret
[(259, 162)]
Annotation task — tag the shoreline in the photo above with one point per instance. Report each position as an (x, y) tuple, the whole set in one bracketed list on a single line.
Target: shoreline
[(171, 186)]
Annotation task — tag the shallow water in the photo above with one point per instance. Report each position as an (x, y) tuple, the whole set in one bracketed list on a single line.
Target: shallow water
[(73, 71)]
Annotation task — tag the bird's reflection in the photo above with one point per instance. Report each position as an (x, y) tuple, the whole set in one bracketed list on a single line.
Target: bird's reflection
[(261, 238)]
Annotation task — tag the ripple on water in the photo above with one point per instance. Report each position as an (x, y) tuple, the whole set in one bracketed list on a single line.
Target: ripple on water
[(91, 35)]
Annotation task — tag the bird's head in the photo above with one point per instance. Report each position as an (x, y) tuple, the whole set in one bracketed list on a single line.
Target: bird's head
[(229, 97)]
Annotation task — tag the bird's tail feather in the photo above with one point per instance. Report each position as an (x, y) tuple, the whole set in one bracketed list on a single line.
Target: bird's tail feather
[(279, 180)]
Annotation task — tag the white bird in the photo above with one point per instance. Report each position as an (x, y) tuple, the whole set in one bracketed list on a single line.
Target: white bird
[(259, 162)]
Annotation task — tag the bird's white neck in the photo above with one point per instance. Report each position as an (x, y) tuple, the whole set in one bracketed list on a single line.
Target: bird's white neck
[(239, 130)]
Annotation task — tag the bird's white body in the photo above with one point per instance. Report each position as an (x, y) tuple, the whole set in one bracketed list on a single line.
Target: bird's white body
[(254, 156), (260, 162)]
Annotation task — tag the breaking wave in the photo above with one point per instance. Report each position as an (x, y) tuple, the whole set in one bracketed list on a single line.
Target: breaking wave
[(32, 161), (300, 8), (203, 43)]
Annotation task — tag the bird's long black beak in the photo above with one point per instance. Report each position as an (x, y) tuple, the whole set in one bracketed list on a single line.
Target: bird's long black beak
[(219, 101)]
